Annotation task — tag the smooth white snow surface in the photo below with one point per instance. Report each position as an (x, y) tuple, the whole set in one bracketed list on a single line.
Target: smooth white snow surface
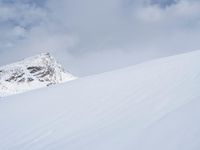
[(150, 106), (31, 73)]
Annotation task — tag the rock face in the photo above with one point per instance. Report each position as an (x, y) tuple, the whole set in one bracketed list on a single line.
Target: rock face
[(31, 73)]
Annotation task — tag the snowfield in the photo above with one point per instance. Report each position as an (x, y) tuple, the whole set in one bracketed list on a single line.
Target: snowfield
[(150, 106)]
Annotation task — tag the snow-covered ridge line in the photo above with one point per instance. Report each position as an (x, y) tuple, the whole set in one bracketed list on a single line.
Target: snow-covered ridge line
[(150, 106), (31, 73)]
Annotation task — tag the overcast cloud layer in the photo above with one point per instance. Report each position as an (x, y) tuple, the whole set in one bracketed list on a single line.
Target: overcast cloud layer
[(94, 36)]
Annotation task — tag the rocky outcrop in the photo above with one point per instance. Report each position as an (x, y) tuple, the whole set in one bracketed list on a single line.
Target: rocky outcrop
[(34, 72)]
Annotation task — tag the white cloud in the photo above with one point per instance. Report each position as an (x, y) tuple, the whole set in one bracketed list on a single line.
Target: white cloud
[(20, 13), (98, 35), (150, 13)]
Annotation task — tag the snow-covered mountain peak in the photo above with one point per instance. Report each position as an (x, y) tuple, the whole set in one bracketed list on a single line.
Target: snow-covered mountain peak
[(31, 73)]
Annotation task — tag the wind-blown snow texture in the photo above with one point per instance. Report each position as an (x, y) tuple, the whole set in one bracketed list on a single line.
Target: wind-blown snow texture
[(31, 73), (151, 106)]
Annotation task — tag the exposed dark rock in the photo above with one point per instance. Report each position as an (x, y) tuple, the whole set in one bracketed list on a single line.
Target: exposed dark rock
[(21, 80), (30, 79), (34, 69), (15, 77)]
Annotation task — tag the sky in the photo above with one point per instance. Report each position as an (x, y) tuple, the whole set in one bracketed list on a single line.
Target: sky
[(94, 36)]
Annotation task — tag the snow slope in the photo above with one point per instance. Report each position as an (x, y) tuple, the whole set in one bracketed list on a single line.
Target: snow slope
[(31, 73), (150, 106)]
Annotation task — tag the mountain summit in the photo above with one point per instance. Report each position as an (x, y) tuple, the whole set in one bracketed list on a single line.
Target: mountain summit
[(31, 73)]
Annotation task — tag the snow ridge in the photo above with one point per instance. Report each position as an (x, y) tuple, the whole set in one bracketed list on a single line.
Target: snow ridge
[(31, 73), (150, 106)]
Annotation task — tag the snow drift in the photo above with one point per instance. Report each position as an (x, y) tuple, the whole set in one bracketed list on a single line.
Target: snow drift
[(150, 106), (31, 73)]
